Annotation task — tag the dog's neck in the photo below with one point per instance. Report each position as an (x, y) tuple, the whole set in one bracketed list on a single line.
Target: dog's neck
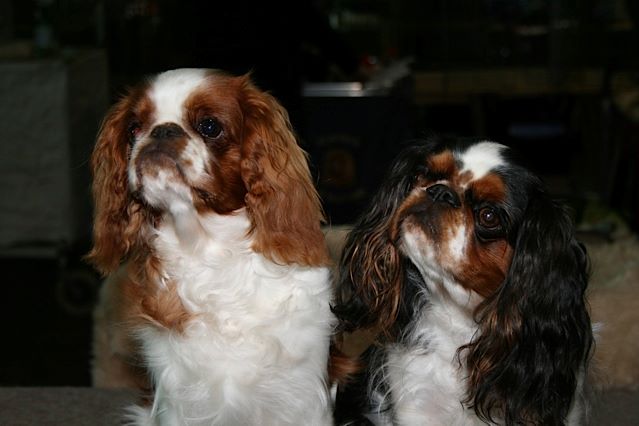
[(442, 322), (190, 232)]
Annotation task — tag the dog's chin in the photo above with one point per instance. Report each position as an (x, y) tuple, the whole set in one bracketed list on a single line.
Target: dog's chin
[(163, 187), (418, 245), (419, 250)]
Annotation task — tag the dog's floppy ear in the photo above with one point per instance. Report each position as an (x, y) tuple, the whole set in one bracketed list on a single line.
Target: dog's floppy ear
[(281, 198), (535, 334), (117, 217), (372, 270)]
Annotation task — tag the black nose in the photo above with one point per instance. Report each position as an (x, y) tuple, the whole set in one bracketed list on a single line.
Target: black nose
[(443, 194), (167, 131)]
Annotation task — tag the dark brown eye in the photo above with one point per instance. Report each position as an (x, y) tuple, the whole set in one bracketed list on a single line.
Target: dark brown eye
[(133, 131), (488, 218), (209, 128)]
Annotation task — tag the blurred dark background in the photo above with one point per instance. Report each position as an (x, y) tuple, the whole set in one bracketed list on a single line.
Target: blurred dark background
[(558, 80)]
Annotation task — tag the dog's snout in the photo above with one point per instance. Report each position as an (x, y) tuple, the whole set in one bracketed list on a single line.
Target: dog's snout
[(167, 131), (443, 194)]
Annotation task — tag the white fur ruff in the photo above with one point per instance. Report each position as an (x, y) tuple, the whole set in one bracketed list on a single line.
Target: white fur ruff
[(255, 352), (424, 379)]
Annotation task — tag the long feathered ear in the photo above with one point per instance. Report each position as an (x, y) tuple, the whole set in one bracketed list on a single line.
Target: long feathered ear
[(372, 270), (281, 198), (117, 217), (535, 334)]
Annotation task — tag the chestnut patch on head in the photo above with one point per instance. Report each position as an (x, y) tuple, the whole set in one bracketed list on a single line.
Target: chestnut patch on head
[(139, 115), (489, 253), (214, 114), (441, 166), (490, 188)]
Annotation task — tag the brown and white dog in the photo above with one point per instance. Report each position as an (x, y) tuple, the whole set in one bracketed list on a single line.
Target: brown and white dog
[(207, 225)]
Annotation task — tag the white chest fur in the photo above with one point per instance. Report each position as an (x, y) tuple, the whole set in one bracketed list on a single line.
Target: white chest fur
[(425, 381), (256, 349)]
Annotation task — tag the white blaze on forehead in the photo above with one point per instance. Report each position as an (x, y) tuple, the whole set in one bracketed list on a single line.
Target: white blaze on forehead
[(481, 158), (171, 89)]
